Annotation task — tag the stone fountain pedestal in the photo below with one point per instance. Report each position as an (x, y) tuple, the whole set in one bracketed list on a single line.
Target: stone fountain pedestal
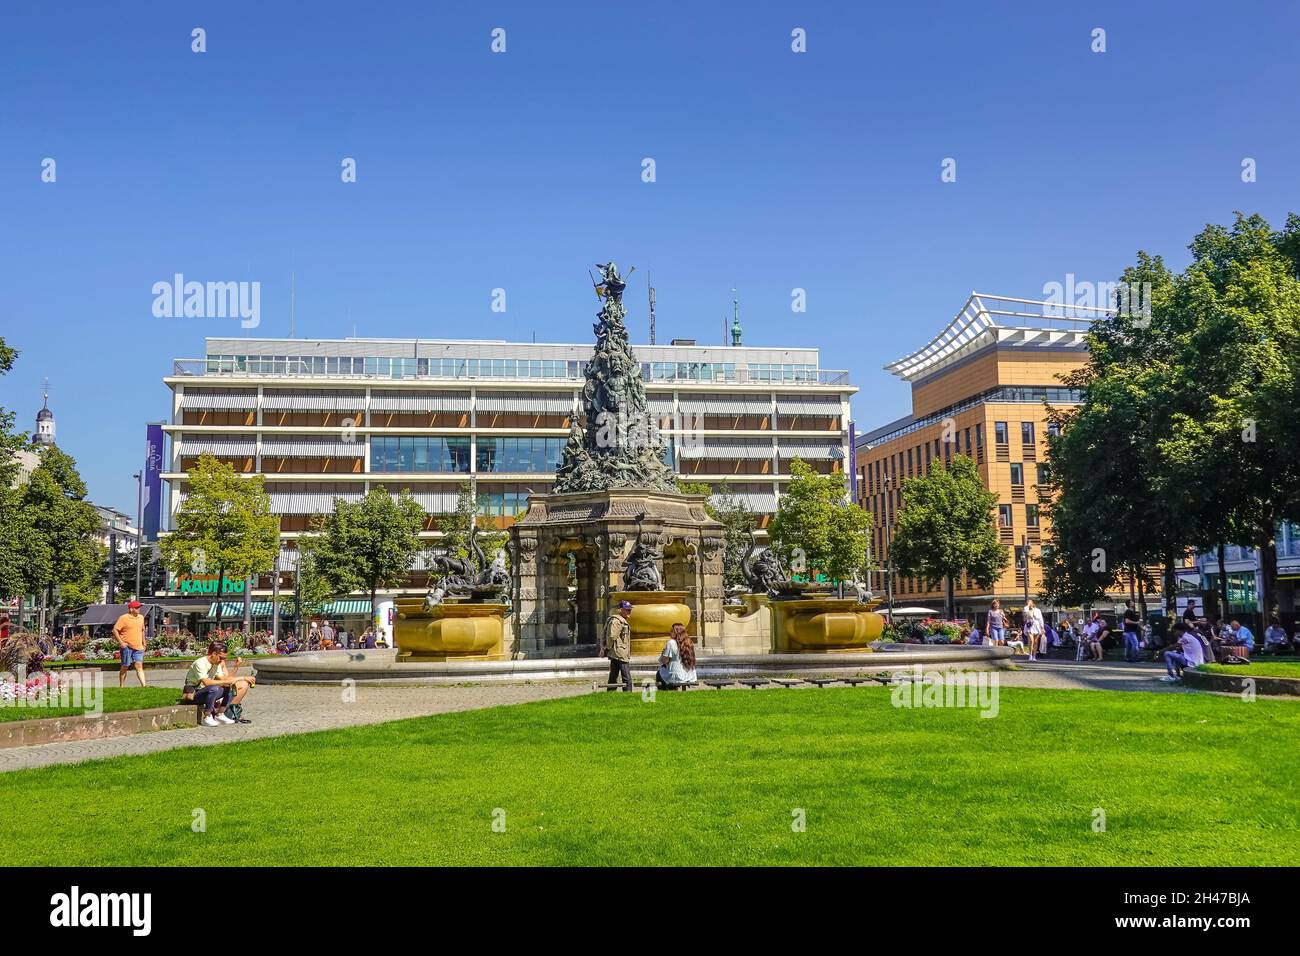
[(451, 631), (594, 532), (823, 625)]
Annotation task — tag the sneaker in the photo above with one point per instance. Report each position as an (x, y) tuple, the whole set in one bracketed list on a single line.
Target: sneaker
[(223, 719), (1168, 680), (210, 721)]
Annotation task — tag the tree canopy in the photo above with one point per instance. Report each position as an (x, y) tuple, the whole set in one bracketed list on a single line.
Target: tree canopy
[(816, 526)]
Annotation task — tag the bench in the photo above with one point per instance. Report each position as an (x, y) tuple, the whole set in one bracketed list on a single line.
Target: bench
[(855, 681), (719, 684), (599, 686), (822, 681), (753, 683), (788, 681)]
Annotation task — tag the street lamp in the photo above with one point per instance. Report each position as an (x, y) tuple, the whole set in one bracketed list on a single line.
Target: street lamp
[(139, 526), (1022, 562)]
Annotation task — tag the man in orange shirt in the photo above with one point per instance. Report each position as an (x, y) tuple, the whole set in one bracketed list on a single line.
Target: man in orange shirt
[(129, 631)]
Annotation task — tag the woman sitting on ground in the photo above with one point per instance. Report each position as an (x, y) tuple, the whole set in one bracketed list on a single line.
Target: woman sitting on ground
[(677, 662)]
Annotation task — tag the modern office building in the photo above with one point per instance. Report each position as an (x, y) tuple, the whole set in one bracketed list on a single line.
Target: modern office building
[(334, 418), (980, 388)]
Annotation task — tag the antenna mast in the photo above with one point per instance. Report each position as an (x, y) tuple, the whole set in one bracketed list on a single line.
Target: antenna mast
[(652, 308), (292, 291)]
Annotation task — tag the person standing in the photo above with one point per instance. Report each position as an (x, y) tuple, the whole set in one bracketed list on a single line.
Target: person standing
[(326, 636), (618, 645), (997, 624), (1132, 633), (1034, 628), (129, 631)]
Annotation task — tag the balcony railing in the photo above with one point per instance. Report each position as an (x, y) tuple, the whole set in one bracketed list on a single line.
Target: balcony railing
[(208, 369)]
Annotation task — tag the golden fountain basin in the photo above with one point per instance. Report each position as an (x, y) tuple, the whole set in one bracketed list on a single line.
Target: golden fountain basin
[(824, 625), (451, 631)]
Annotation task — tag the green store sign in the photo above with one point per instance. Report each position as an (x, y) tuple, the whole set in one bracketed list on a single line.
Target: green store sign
[(207, 584)]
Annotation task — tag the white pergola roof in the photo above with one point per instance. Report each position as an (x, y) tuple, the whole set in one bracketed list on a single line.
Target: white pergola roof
[(991, 319)]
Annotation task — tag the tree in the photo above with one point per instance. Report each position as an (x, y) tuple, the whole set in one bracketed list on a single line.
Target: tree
[(313, 589), (123, 567), (817, 527), (224, 525), (945, 527), (369, 544), (737, 522), (59, 546), (14, 517)]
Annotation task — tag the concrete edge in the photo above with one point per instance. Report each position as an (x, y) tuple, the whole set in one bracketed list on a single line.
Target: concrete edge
[(50, 730), (1236, 683)]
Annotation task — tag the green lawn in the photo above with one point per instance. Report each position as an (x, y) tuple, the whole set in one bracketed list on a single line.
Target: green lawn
[(704, 778), (115, 699), (1256, 669)]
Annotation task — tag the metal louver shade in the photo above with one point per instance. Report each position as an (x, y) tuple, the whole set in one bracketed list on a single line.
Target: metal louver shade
[(392, 401), (527, 403), (810, 449), (302, 448), (436, 502), (725, 403), (221, 447), (759, 502), (808, 405), (659, 404), (220, 401), (742, 448), (308, 502), (315, 401)]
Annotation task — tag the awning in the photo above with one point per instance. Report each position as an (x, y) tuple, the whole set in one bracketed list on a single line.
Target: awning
[(309, 502), (393, 401), (527, 403), (314, 401), (107, 613), (219, 446), (808, 405), (725, 404), (741, 448), (235, 609), (338, 608), (219, 401), (292, 448), (810, 449), (759, 502)]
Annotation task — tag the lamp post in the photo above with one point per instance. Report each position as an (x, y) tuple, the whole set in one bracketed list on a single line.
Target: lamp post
[(1023, 561), (889, 551), (139, 526)]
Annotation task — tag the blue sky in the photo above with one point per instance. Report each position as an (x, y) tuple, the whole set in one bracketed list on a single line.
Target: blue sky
[(476, 170)]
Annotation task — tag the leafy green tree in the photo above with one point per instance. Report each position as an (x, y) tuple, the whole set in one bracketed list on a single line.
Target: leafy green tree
[(737, 521), (59, 547), (15, 521), (369, 544), (313, 589), (224, 526), (945, 526), (817, 527), (123, 566)]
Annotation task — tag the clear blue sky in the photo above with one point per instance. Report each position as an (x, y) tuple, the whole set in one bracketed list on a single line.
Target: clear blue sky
[(520, 170)]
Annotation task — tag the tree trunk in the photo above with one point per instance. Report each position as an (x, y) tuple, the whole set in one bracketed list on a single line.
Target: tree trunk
[(1171, 588), (374, 620), (948, 598), (1268, 574), (1223, 581), (1142, 596), (221, 604)]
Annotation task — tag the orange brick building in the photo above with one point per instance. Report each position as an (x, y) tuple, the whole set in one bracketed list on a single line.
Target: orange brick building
[(980, 388)]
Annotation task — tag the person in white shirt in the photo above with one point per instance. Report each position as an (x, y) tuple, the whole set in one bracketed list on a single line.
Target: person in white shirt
[(1188, 655), (677, 662), (1275, 637), (1034, 629)]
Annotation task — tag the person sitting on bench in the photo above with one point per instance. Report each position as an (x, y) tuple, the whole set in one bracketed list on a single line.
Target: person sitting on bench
[(214, 689), (677, 662)]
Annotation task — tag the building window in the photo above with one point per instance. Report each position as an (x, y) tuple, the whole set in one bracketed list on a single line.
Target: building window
[(411, 453), (1031, 516), (979, 434), (1042, 474), (1000, 433), (518, 454), (1017, 473), (1027, 433), (968, 442), (1004, 516), (1053, 429)]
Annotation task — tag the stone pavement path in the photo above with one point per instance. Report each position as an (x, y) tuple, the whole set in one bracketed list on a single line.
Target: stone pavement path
[(294, 709)]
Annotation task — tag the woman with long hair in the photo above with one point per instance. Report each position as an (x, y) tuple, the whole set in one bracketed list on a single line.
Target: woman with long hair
[(997, 623), (677, 662)]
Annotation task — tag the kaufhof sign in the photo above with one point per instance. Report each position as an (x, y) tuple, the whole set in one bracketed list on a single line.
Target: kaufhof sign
[(207, 584)]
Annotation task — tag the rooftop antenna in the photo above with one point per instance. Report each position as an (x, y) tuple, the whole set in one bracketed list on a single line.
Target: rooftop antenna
[(652, 308), (292, 295)]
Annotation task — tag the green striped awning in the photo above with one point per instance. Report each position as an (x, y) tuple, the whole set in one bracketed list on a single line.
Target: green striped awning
[(235, 609)]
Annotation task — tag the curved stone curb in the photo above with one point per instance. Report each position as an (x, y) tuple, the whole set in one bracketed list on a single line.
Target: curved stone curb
[(49, 730), (382, 666), (1236, 683)]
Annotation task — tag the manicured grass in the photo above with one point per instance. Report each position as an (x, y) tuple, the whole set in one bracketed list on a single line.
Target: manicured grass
[(1255, 669), (705, 778), (115, 699)]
